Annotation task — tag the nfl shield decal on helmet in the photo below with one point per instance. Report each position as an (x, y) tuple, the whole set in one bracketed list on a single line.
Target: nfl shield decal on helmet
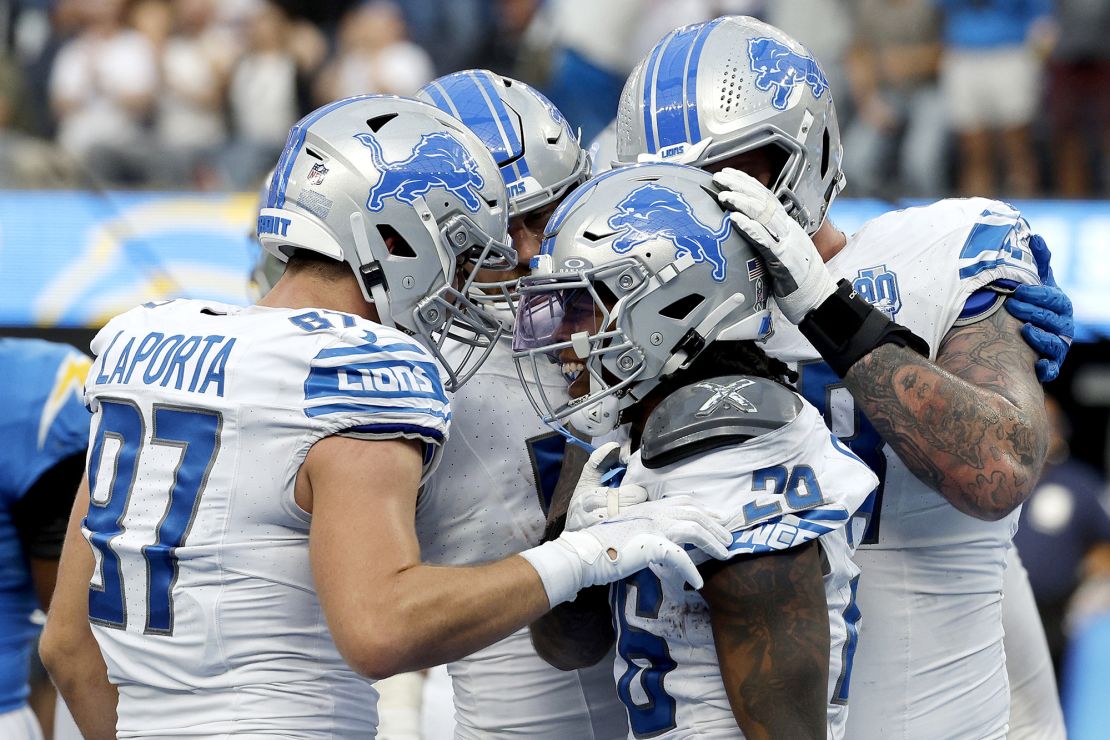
[(438, 160), (879, 287), (317, 174), (654, 212), (779, 70)]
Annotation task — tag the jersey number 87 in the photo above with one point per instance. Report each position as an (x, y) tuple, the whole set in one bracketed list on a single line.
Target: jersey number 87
[(196, 432)]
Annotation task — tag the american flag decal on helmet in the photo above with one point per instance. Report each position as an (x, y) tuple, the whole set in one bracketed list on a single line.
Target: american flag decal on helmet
[(755, 268)]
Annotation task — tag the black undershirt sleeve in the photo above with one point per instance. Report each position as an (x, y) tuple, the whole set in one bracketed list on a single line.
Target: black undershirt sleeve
[(41, 516)]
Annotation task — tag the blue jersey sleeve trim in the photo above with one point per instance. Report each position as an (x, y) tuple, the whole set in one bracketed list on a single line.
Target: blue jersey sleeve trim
[(362, 408), (432, 435)]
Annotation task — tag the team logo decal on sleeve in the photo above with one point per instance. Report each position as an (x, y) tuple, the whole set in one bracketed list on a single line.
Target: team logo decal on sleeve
[(438, 160), (879, 287), (654, 212), (781, 69), (725, 395)]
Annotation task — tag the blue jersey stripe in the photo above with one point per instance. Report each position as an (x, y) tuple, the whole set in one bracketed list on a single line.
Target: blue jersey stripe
[(670, 118), (369, 349), (280, 181), (431, 434), (649, 94), (362, 408), (693, 125)]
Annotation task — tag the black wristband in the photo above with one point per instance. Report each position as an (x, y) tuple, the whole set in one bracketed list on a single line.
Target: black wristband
[(845, 327)]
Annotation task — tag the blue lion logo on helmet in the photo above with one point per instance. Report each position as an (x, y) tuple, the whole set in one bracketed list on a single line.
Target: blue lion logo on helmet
[(653, 212), (439, 160), (780, 68)]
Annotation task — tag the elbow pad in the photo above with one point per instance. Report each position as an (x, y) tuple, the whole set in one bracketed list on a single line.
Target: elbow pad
[(845, 327)]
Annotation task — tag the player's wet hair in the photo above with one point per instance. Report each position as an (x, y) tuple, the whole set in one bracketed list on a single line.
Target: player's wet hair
[(730, 358)]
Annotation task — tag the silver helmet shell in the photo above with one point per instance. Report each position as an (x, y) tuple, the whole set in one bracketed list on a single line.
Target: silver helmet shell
[(539, 156), (362, 172), (710, 91), (640, 269)]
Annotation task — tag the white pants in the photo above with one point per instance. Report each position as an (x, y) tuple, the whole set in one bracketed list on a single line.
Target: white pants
[(20, 724), (506, 691), (1035, 712), (930, 662)]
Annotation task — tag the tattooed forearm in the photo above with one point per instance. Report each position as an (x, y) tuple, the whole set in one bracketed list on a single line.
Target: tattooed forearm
[(576, 634), (771, 628), (971, 426)]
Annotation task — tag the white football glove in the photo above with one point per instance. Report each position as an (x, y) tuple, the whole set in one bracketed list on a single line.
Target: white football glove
[(799, 278), (647, 535), (594, 501)]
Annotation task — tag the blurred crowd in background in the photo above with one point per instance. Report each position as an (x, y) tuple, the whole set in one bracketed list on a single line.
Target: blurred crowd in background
[(936, 97)]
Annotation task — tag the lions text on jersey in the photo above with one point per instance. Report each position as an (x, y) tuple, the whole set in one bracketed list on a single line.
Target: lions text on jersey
[(487, 500), (931, 661), (202, 596), (778, 490)]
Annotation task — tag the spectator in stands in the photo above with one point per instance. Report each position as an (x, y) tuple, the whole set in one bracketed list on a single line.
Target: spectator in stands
[(822, 26), (900, 124), (267, 91), (191, 116), (990, 78), (102, 89), (1078, 106), (594, 55), (374, 56), (1064, 520)]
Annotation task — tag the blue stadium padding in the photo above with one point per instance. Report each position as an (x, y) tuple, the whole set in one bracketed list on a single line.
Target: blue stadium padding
[(1086, 681), (73, 259)]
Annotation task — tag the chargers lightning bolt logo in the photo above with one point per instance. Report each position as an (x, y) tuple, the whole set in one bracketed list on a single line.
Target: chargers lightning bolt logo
[(438, 160), (654, 212), (68, 380), (781, 69)]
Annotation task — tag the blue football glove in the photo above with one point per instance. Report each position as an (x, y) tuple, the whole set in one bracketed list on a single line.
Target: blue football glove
[(1047, 312)]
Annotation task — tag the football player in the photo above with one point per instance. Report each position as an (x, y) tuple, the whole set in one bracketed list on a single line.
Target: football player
[(253, 472), (45, 431), (650, 302), (489, 496), (944, 405)]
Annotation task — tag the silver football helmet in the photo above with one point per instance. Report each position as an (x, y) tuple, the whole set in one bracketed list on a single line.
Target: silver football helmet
[(540, 158), (267, 269), (640, 270), (711, 91), (403, 194)]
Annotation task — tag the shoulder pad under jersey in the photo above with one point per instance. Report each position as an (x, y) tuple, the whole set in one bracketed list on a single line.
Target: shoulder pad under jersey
[(715, 413)]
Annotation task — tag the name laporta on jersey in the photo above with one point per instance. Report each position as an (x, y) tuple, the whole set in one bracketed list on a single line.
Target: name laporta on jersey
[(197, 363)]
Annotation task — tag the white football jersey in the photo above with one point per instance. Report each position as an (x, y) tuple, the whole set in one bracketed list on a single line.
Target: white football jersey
[(789, 486), (202, 597), (930, 662), (487, 501)]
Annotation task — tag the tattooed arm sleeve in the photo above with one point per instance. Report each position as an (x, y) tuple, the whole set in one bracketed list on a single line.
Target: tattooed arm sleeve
[(771, 628), (972, 426), (578, 633)]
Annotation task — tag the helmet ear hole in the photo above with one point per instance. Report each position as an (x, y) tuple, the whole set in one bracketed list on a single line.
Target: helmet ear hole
[(683, 307), (397, 245), (825, 151)]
